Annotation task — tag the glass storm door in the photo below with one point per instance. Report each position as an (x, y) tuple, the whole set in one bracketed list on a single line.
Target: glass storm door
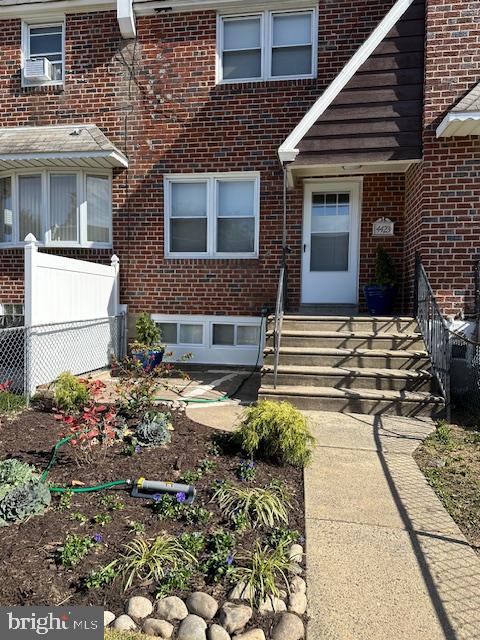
[(330, 243)]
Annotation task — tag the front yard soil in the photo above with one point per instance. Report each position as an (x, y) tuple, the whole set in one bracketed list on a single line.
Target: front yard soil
[(30, 572), (450, 460)]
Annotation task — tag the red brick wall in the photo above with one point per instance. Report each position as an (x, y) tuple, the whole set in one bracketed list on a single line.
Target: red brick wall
[(157, 100), (445, 199)]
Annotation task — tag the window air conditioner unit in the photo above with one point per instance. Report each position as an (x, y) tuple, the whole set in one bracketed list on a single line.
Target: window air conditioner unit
[(39, 69)]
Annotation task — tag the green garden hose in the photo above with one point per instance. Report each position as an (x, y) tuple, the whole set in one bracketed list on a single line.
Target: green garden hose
[(96, 487), (51, 462)]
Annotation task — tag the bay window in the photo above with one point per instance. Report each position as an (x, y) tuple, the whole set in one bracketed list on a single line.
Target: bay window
[(267, 45), (212, 215), (60, 208)]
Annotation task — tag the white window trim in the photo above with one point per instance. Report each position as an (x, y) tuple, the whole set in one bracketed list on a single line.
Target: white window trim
[(82, 220), (212, 179), (207, 352), (25, 53), (266, 43)]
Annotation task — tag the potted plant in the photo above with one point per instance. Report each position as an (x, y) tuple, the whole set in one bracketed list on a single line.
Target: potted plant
[(380, 295), (147, 347)]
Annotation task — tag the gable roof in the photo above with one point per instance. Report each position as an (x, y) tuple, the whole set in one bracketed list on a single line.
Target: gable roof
[(288, 150), (464, 118)]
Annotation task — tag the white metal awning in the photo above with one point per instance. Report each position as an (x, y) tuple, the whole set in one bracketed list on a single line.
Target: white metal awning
[(72, 146), (458, 123)]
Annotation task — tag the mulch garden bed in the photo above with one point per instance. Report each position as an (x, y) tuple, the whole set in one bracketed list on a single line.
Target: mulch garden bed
[(30, 571)]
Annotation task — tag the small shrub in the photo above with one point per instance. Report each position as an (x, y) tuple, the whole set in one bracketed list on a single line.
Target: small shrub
[(154, 429), (148, 560), (246, 470), (102, 519), (77, 516), (148, 335), (23, 501), (112, 503), (277, 430), (98, 578), (259, 506), (13, 473), (193, 542), (283, 536), (66, 500), (70, 394), (176, 580), (443, 433), (205, 467), (10, 401), (169, 507), (219, 564), (136, 394), (262, 572), (138, 528), (74, 549)]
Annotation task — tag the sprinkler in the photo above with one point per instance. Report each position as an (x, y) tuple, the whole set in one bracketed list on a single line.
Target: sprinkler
[(143, 488)]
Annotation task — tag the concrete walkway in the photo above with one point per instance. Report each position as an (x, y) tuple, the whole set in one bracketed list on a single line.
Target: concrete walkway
[(384, 558)]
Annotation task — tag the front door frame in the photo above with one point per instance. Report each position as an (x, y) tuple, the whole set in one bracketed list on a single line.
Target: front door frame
[(335, 184)]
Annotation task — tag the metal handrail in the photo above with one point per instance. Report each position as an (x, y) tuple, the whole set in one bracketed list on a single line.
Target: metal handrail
[(277, 330), (434, 329)]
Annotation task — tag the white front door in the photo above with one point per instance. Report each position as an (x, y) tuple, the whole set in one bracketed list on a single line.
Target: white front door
[(331, 223)]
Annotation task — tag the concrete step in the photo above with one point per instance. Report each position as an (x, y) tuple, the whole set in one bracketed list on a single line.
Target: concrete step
[(330, 357), (366, 401), (350, 378), (347, 323), (348, 339)]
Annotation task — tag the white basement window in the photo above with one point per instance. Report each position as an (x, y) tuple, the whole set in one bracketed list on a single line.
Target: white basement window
[(43, 54), (212, 339), (61, 208), (212, 215), (270, 45)]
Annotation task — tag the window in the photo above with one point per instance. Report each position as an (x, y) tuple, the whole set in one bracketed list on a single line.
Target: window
[(45, 41), (212, 215), (235, 335), (181, 333), (267, 46), (60, 208)]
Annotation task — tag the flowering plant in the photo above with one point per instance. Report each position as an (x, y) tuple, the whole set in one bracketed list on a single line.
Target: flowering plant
[(5, 386)]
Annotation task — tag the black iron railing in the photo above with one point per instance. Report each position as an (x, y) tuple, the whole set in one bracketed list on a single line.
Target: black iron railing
[(278, 320), (434, 329)]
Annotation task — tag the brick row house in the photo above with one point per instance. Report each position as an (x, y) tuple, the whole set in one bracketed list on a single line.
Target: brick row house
[(197, 139)]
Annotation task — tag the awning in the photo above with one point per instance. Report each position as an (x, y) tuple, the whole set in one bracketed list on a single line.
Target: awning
[(73, 146), (459, 124), (464, 118)]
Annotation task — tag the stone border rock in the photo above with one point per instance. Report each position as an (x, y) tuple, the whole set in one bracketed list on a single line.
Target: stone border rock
[(199, 616)]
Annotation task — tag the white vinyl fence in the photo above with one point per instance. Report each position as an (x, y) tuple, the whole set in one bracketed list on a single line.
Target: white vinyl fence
[(73, 318)]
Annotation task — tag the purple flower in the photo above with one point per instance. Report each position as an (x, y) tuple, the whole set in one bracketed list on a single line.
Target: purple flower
[(229, 559), (138, 449), (301, 540), (219, 481), (157, 497), (180, 496), (98, 538)]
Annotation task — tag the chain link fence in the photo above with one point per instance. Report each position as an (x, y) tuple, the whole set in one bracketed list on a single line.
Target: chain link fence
[(31, 356), (465, 373)]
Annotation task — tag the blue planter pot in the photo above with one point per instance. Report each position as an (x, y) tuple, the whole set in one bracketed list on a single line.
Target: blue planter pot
[(149, 359), (380, 299)]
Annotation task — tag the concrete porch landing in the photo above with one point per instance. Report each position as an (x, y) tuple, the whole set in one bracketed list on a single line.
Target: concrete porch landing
[(384, 559)]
